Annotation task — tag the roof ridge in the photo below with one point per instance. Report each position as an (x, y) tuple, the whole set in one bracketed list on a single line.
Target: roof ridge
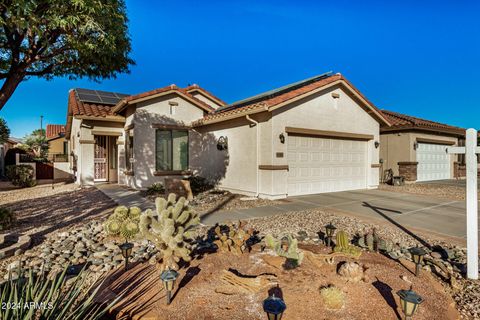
[(417, 120), (274, 92)]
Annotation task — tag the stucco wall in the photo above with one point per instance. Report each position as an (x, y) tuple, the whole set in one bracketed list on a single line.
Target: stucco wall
[(398, 147), (323, 112), (157, 111), (205, 99)]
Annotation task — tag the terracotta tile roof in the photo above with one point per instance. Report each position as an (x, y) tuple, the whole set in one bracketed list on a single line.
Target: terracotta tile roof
[(119, 106), (282, 95), (79, 108), (401, 121), (194, 87), (54, 130)]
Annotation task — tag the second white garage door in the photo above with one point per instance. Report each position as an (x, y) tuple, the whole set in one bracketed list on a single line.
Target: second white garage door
[(318, 165), (433, 162)]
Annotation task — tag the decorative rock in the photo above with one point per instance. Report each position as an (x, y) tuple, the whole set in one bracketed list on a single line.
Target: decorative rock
[(351, 271)]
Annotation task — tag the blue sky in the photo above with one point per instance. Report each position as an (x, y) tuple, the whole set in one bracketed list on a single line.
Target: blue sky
[(420, 58)]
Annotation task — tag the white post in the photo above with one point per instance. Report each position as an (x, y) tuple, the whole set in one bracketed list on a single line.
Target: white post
[(472, 204)]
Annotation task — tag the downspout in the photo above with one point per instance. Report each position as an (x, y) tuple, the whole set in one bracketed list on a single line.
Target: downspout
[(255, 123)]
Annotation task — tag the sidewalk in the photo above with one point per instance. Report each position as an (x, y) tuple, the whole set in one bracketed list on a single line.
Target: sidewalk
[(124, 196)]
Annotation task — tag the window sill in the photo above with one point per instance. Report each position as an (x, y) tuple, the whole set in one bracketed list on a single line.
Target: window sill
[(172, 173), (128, 172)]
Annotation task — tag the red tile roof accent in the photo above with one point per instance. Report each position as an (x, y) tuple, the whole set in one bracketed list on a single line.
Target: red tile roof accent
[(284, 97), (403, 121), (194, 87), (79, 108), (54, 130)]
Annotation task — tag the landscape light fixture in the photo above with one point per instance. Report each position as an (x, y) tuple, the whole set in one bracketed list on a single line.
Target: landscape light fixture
[(168, 278), (409, 301), (126, 252), (274, 307), (330, 230), (417, 257)]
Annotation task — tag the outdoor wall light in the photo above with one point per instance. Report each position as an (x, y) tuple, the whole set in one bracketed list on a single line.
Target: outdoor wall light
[(377, 144), (417, 257), (274, 307), (222, 143), (409, 301), (330, 230), (168, 278), (126, 252), (415, 145), (282, 138)]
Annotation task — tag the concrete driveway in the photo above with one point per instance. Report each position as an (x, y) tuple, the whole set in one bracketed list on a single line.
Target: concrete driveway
[(441, 216)]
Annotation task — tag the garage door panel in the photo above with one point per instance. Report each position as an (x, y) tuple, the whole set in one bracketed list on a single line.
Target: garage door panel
[(433, 162), (319, 165)]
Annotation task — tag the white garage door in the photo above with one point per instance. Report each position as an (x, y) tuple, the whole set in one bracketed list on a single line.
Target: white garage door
[(433, 162), (318, 165)]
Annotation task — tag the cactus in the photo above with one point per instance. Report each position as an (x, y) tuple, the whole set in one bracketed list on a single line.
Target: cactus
[(351, 271), (285, 246), (343, 245), (333, 297), (169, 229), (123, 222), (235, 240)]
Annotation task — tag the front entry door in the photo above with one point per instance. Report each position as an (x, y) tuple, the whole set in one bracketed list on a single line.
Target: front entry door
[(100, 159)]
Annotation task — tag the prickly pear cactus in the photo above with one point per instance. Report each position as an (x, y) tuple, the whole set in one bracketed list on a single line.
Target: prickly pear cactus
[(343, 245), (169, 229), (285, 246), (123, 222), (234, 240)]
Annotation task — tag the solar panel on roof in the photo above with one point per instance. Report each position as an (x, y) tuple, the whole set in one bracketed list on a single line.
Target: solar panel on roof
[(99, 97)]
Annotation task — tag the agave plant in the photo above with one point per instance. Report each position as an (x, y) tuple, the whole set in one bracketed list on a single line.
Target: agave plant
[(37, 297)]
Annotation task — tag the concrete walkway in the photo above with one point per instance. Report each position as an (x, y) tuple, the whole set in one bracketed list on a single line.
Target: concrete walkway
[(441, 216), (124, 196)]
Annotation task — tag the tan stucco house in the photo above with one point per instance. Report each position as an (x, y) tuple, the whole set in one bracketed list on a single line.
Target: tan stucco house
[(316, 135), (57, 144), (416, 148)]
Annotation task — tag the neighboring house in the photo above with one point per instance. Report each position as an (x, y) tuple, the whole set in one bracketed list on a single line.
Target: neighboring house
[(57, 144), (9, 144), (317, 135), (416, 148)]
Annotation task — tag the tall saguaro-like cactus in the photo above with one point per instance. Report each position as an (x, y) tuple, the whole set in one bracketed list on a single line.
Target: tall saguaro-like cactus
[(168, 228)]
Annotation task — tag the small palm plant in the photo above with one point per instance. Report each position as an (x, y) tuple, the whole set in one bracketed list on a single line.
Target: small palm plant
[(37, 297)]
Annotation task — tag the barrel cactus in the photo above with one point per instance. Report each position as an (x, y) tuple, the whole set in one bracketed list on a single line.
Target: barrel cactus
[(123, 222), (168, 227)]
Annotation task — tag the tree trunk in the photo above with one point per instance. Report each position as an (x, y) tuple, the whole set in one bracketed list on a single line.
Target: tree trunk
[(11, 83)]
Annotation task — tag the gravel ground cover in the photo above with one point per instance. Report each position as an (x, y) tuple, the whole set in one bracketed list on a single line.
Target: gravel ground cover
[(45, 209), (436, 190)]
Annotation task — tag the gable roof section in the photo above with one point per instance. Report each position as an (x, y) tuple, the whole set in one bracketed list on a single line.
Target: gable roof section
[(54, 131), (402, 122), (158, 93), (208, 94), (277, 98)]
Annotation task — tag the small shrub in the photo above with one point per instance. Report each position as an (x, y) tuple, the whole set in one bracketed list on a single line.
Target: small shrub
[(199, 184), (7, 218), (21, 175), (156, 188), (333, 298)]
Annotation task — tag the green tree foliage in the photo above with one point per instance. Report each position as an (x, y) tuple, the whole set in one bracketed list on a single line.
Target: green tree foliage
[(49, 38), (37, 143), (4, 131)]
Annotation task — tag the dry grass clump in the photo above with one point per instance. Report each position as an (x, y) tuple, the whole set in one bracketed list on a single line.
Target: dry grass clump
[(333, 298)]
